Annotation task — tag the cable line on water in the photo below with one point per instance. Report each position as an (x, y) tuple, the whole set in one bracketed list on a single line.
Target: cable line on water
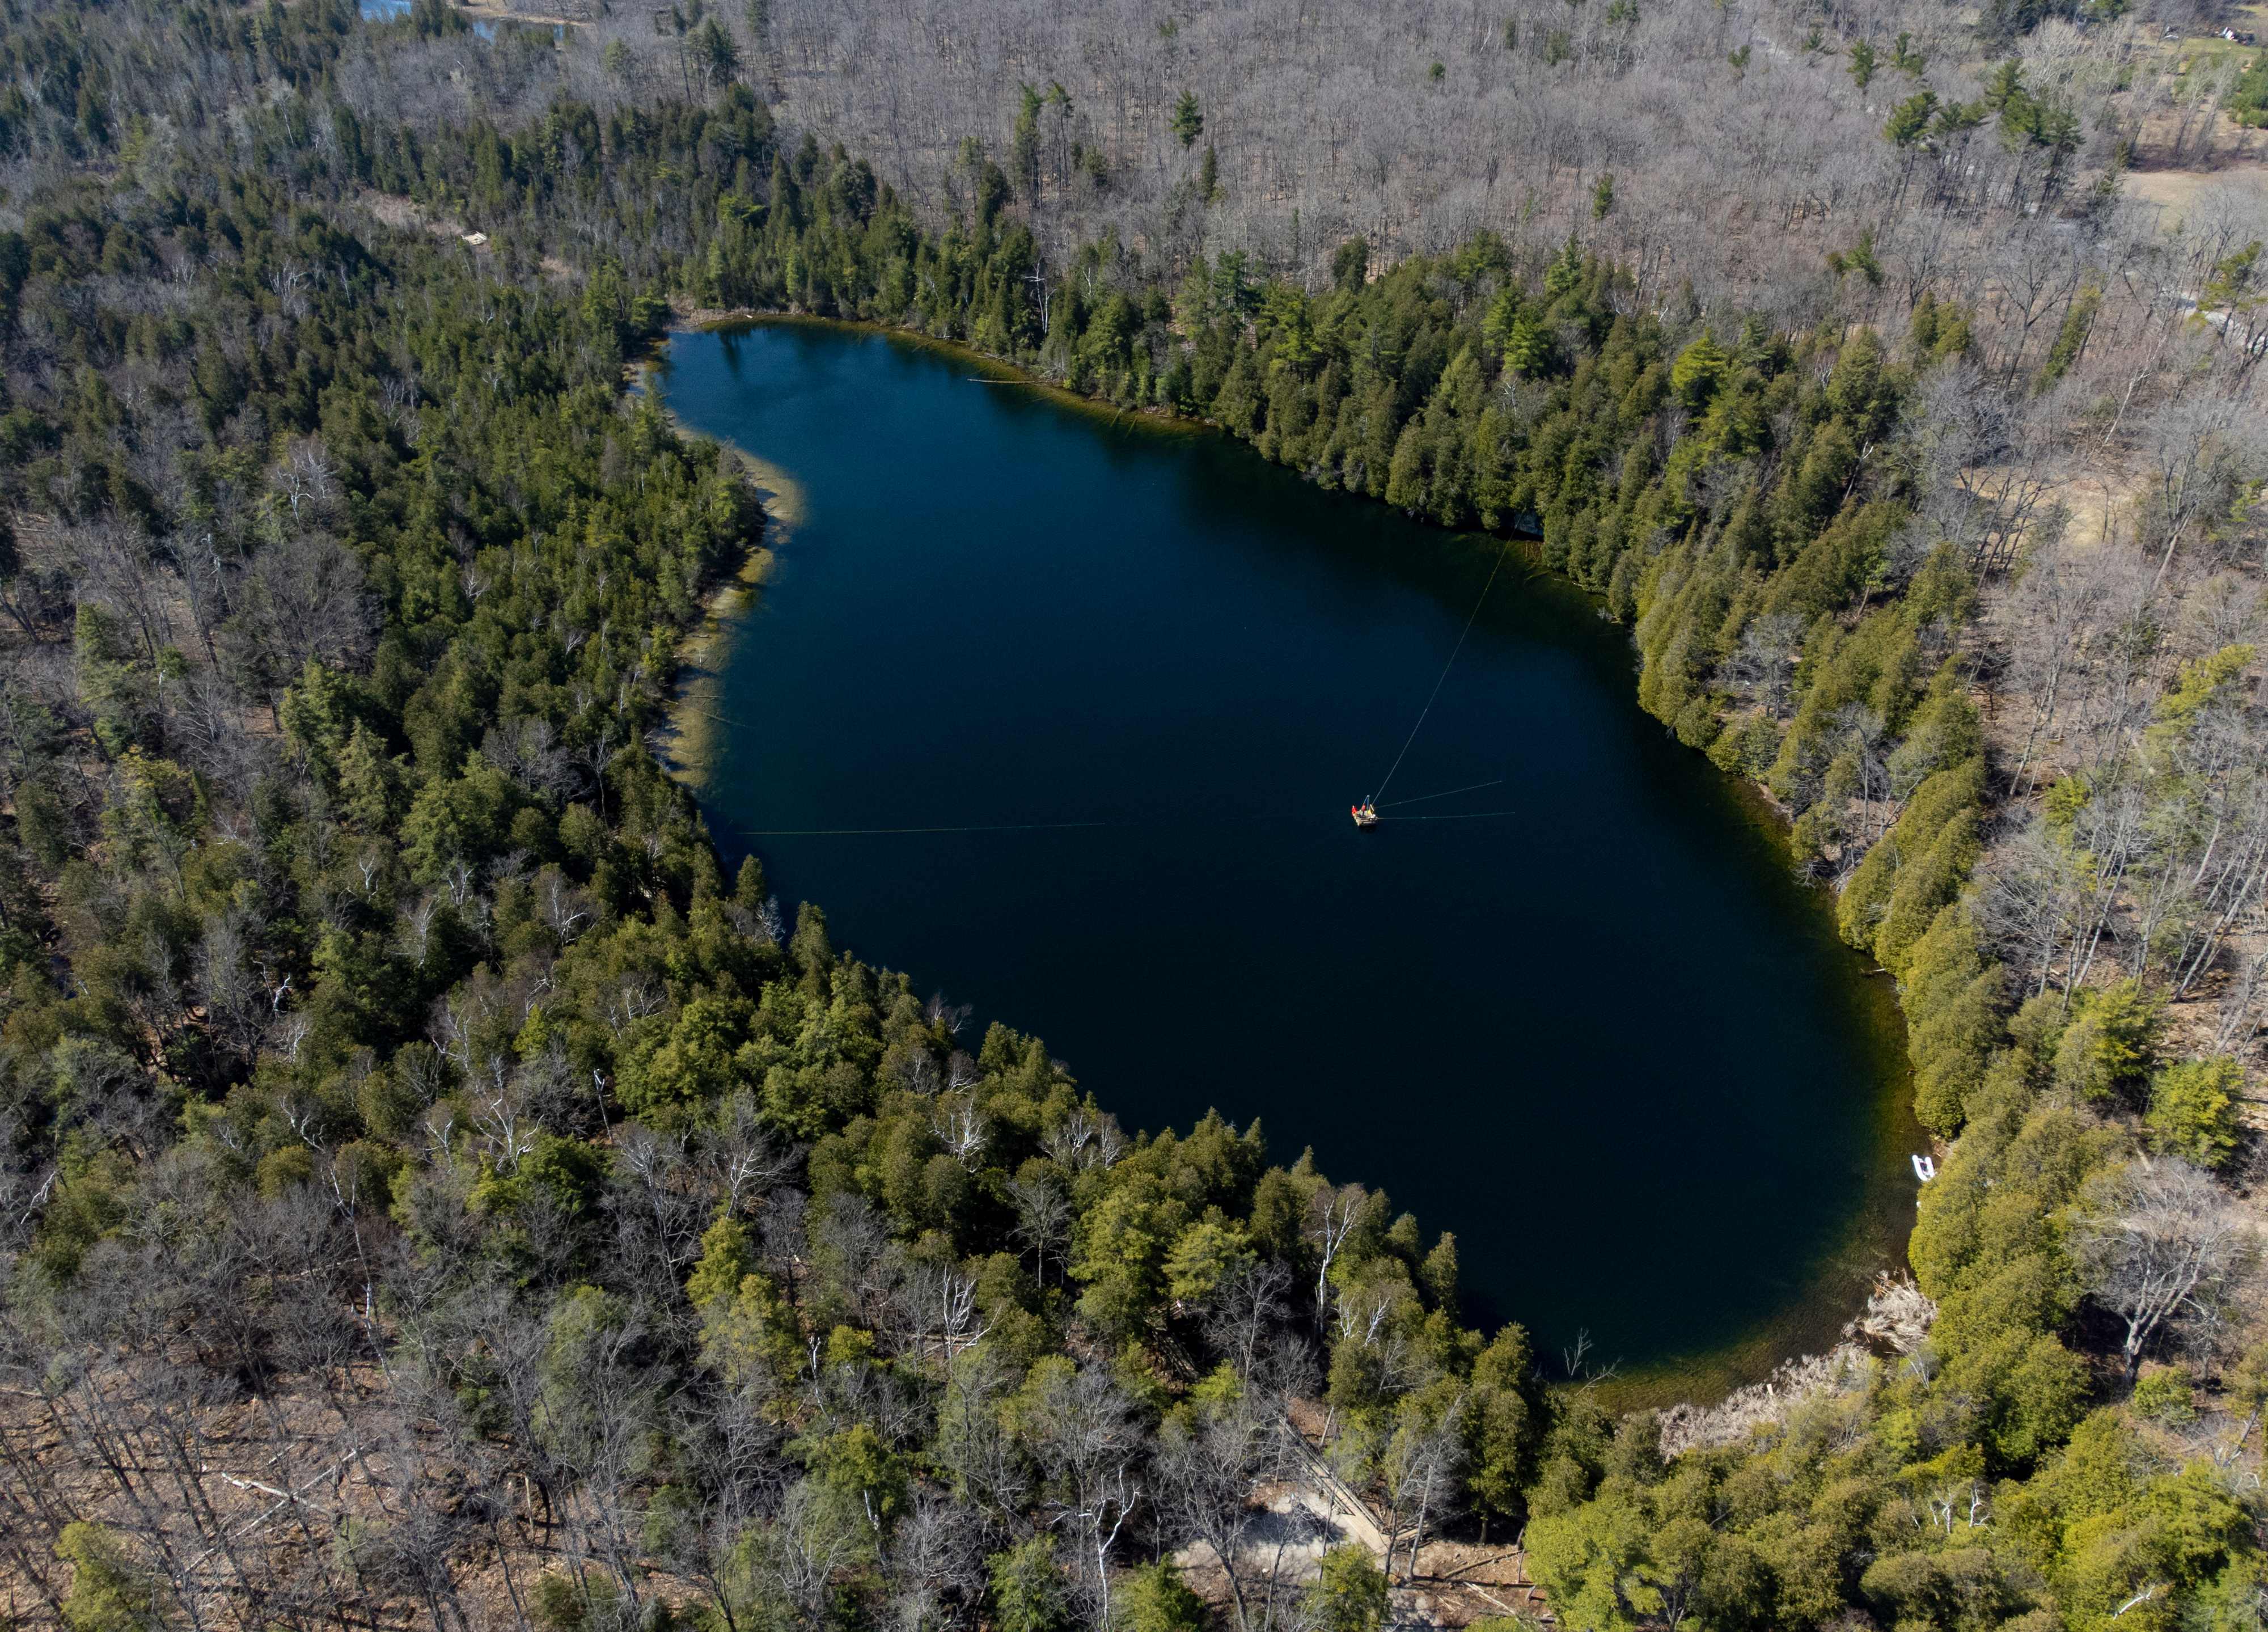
[(848, 832), (1422, 798), (1059, 827), (1446, 667)]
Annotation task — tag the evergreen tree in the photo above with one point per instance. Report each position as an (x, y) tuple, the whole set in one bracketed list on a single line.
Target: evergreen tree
[(1188, 119)]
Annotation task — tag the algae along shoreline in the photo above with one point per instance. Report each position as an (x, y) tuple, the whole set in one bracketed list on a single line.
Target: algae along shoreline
[(688, 742), (1597, 1031)]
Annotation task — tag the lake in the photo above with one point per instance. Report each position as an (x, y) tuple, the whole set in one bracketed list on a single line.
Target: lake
[(399, 11), (1593, 1025)]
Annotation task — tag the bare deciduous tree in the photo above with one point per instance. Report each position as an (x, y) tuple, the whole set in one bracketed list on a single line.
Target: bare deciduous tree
[(2166, 1251)]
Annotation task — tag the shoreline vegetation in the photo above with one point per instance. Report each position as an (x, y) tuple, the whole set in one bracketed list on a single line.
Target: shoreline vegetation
[(434, 1191), (1753, 1360), (685, 740)]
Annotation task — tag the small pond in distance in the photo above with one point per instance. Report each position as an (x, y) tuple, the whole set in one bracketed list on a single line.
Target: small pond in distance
[(1606, 1038)]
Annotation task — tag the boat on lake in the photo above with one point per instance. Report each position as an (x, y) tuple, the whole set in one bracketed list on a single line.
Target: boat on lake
[(1365, 815)]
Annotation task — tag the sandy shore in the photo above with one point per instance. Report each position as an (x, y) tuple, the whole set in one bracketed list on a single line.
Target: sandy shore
[(690, 739)]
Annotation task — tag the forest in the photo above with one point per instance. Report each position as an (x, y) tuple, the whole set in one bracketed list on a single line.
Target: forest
[(436, 1192)]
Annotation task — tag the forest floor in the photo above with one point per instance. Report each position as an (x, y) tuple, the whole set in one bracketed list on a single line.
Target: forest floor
[(407, 215), (2099, 500), (2178, 166), (277, 1483), (2179, 192), (2099, 505), (220, 1491), (503, 11), (1454, 1583)]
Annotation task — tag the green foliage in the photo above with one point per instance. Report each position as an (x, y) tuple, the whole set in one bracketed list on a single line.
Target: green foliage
[(1988, 1245), (751, 1336), (1030, 1592), (2235, 1601), (1593, 1561), (1743, 1539), (2110, 1044), (109, 1593), (2072, 335), (1957, 1586), (1701, 367), (2108, 1530), (861, 1488), (727, 1257), (2167, 1395), (1953, 1003), (1155, 1598), (572, 1600), (1188, 119), (1909, 119), (1503, 1425), (2192, 1109), (1349, 1594), (539, 1042), (1947, 797), (1203, 1256), (2247, 102)]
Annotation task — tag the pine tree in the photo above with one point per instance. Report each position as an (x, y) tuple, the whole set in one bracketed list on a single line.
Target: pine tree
[(1862, 63), (1909, 119), (1188, 119)]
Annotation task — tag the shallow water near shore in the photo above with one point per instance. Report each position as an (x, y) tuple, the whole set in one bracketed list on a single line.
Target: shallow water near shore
[(1592, 1026)]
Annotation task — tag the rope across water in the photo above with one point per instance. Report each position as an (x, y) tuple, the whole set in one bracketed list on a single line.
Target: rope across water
[(1422, 798), (1044, 827), (987, 827), (1446, 667), (1057, 827)]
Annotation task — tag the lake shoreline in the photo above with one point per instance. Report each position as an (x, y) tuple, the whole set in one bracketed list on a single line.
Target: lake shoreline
[(1800, 1328), (685, 743)]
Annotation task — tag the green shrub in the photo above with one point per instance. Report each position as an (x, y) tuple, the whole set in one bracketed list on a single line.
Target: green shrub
[(1029, 1592), (2192, 1112), (1926, 888), (1952, 1018), (570, 1600), (109, 1593), (2168, 1396), (1155, 1598), (1350, 1591), (2247, 102), (2110, 1043)]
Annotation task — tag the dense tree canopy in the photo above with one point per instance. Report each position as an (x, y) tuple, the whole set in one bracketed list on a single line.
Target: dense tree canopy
[(404, 1113)]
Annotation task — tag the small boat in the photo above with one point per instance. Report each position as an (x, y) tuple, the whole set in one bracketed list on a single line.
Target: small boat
[(1924, 1168), (1365, 815)]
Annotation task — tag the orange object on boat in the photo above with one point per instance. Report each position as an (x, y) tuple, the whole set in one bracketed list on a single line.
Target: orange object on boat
[(1365, 815)]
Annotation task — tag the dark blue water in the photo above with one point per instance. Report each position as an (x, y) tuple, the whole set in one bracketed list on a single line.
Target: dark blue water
[(1602, 1036)]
